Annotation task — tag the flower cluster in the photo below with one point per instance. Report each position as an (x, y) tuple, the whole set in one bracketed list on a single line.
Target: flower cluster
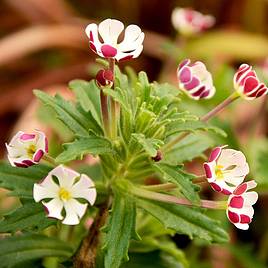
[(225, 172), (189, 22)]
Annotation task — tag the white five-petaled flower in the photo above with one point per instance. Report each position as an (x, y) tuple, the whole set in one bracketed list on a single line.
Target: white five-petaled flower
[(195, 80), (190, 22), (247, 84), (63, 186), (108, 46), (239, 210), (27, 149), (226, 169)]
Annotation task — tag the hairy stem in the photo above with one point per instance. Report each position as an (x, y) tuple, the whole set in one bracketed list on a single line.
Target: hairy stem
[(104, 112), (86, 256)]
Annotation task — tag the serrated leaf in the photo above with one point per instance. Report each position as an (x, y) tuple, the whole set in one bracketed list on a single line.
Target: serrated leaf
[(192, 126), (20, 181), (30, 216), (185, 220), (120, 229), (189, 148), (18, 249), (74, 119), (175, 175), (88, 94), (145, 86), (85, 145), (118, 95), (148, 144)]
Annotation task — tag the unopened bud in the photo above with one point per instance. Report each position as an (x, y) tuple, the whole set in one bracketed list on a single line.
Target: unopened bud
[(104, 78), (158, 156)]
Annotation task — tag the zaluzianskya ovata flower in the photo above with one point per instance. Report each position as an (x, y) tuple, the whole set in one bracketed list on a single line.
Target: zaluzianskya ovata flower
[(239, 210), (247, 84), (62, 187), (195, 80), (189, 22), (226, 169), (27, 149), (104, 39), (104, 78)]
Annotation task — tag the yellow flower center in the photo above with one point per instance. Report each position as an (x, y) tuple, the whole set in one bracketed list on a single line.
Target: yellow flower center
[(31, 150), (219, 172), (64, 194)]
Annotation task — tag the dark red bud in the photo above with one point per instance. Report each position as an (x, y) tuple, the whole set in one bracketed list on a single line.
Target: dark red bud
[(104, 78), (158, 156)]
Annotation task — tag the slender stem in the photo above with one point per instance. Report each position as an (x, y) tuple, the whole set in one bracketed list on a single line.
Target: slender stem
[(220, 107), (104, 112), (204, 118), (114, 106), (160, 187), (49, 159), (175, 200)]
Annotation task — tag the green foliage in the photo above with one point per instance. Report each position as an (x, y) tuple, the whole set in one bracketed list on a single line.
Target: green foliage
[(17, 249), (175, 175), (185, 220), (30, 216), (91, 144), (120, 229)]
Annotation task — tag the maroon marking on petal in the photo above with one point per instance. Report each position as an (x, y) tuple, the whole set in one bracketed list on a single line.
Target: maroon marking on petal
[(256, 91), (248, 74), (199, 92), (46, 145), (92, 46), (28, 162), (108, 51), (183, 63), (245, 219), (225, 192), (236, 202), (215, 187), (262, 92), (38, 155), (185, 75), (129, 57), (207, 170), (204, 94), (91, 38), (215, 153), (192, 84), (241, 189), (233, 217), (20, 165), (250, 84), (26, 136), (242, 69)]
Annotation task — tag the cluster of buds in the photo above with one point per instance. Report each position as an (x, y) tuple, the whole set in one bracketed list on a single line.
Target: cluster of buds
[(27, 149), (189, 22), (225, 172)]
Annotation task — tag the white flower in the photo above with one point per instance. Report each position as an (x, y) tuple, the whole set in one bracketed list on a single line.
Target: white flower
[(195, 80), (109, 30), (63, 194), (190, 22), (27, 149), (240, 211), (226, 169)]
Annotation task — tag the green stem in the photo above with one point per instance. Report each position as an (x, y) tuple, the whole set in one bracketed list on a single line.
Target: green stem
[(104, 112), (175, 200), (47, 158), (114, 105), (204, 118)]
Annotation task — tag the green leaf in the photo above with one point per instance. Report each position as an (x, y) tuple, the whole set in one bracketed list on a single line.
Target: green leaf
[(20, 181), (84, 145), (75, 120), (18, 249), (175, 175), (148, 144), (189, 148), (119, 95), (192, 126), (31, 216), (185, 220), (88, 94), (120, 229)]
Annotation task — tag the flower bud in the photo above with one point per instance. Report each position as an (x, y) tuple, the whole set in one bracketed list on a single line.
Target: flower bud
[(195, 80), (247, 84), (104, 78)]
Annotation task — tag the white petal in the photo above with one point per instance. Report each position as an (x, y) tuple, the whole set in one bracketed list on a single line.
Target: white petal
[(41, 141), (250, 198), (134, 54), (93, 28), (133, 38), (54, 208), (230, 157), (74, 211), (234, 180), (40, 192), (110, 30), (242, 226)]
